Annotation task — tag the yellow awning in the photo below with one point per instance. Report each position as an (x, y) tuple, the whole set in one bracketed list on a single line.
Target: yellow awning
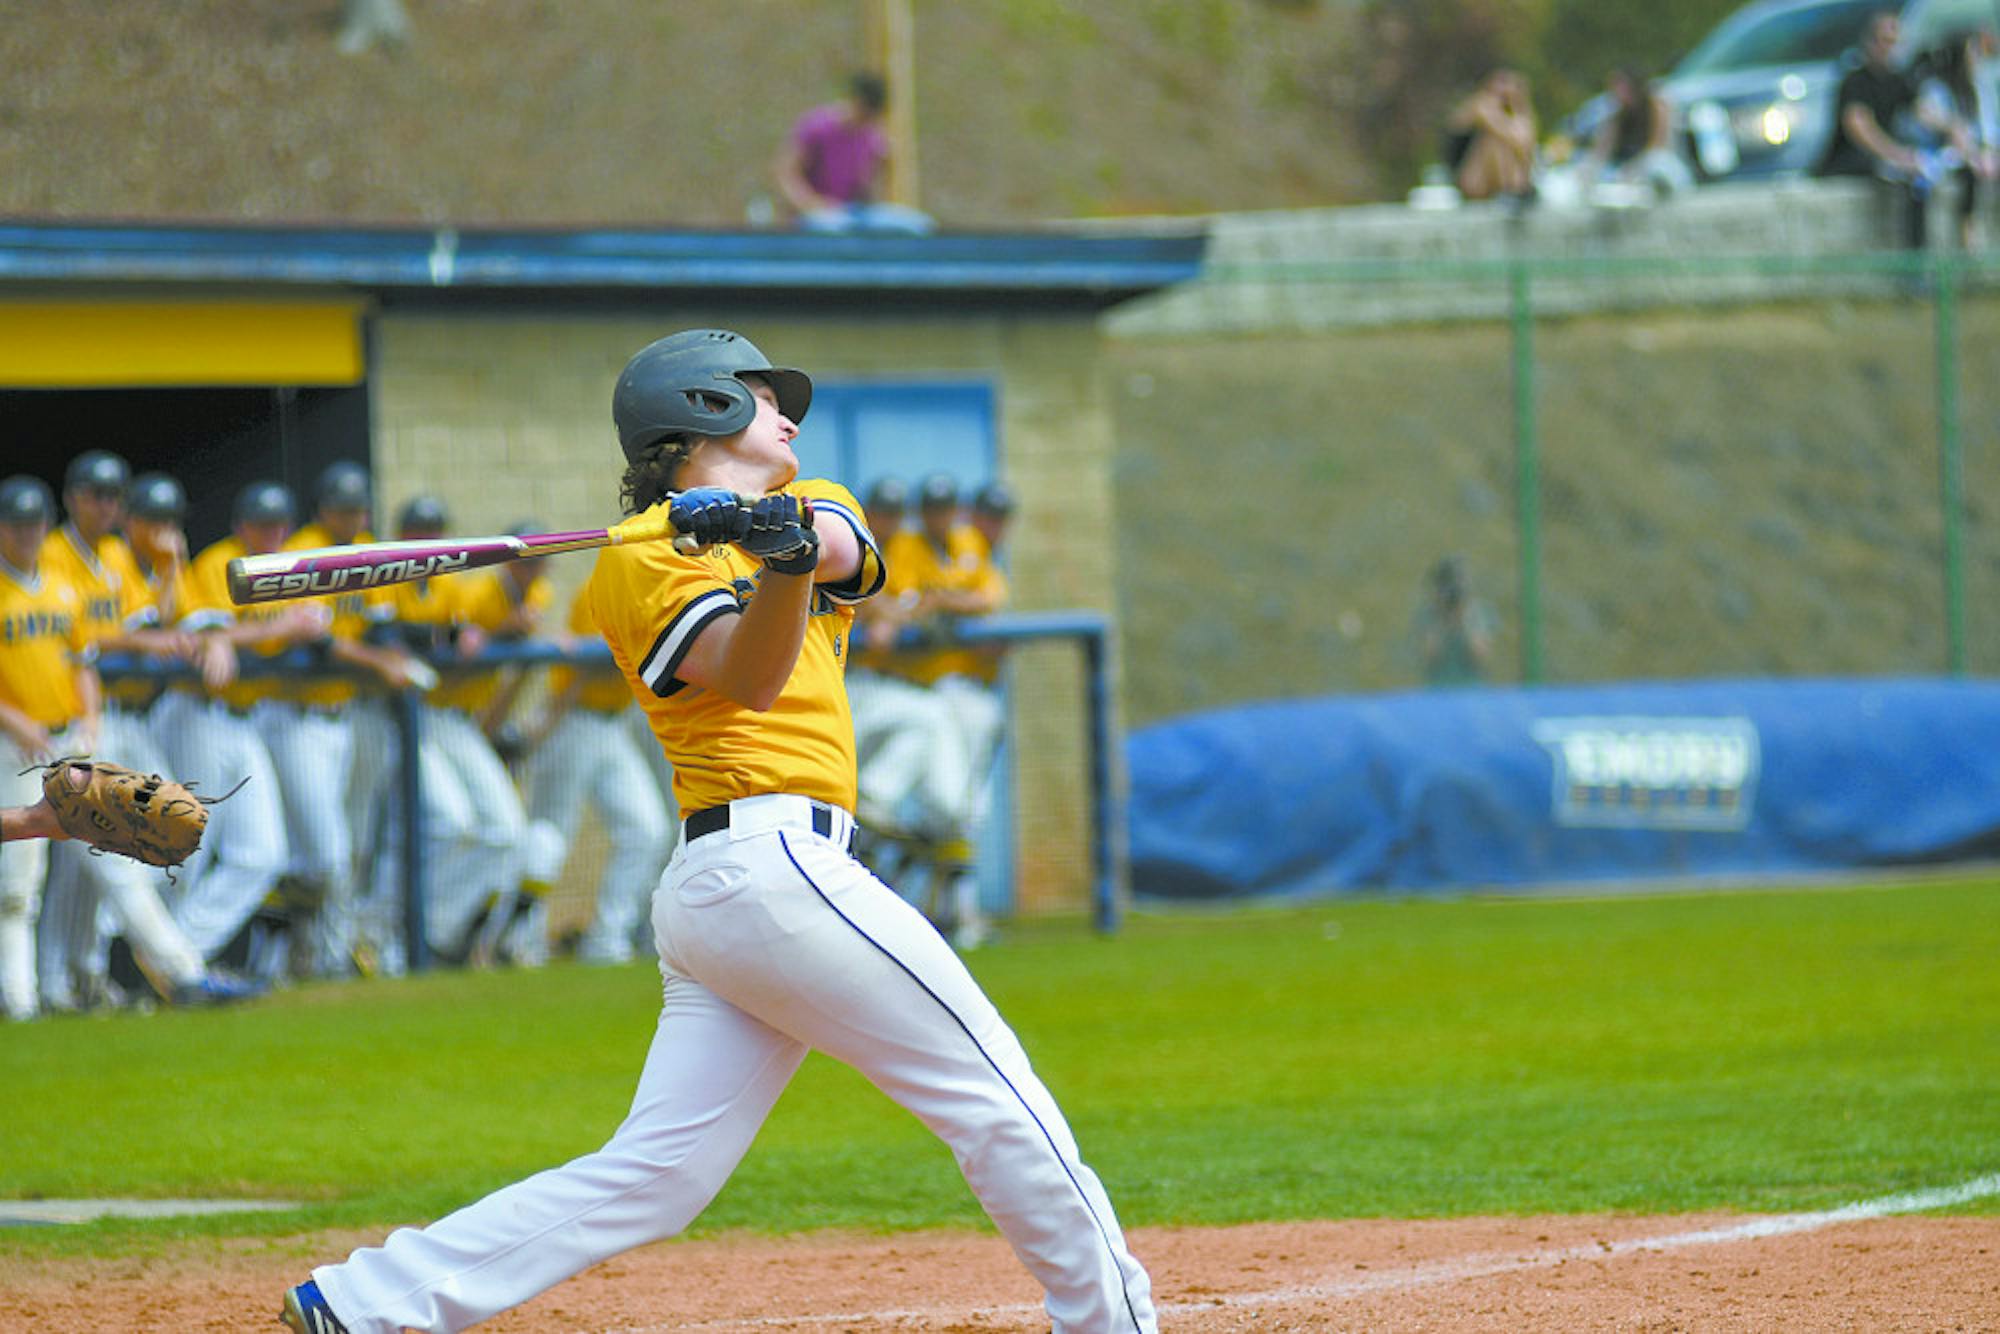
[(130, 344)]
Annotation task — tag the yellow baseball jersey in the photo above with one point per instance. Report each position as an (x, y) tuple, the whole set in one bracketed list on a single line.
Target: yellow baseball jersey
[(43, 642), (208, 607), (484, 598), (651, 603), (964, 565), (116, 596), (353, 613), (602, 689)]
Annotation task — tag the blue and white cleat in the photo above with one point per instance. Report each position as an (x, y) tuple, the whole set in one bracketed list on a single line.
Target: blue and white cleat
[(306, 1312), (218, 988)]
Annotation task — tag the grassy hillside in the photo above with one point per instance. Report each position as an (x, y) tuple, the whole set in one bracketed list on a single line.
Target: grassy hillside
[(1749, 492), (608, 111)]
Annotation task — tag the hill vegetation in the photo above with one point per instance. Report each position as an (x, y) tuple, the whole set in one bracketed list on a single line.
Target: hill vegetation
[(605, 111)]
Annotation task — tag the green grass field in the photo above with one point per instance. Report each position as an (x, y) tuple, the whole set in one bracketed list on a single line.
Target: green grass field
[(1769, 1050)]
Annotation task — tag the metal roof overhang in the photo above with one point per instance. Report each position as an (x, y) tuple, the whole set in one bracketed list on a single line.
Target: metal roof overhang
[(407, 265)]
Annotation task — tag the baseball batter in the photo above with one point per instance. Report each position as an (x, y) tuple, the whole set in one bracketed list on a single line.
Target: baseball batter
[(773, 940)]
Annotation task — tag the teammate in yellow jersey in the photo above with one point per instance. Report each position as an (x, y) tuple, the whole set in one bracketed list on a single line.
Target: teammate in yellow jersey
[(211, 738), (419, 628), (482, 906), (587, 751), (120, 617), (773, 940), (309, 729), (945, 570), (49, 702)]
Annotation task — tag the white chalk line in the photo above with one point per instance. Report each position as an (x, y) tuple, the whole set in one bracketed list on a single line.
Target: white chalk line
[(1432, 1273)]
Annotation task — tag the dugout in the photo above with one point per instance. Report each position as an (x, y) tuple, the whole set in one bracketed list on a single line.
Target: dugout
[(477, 365)]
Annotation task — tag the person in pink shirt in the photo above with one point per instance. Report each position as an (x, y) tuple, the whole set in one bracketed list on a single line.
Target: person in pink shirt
[(830, 168)]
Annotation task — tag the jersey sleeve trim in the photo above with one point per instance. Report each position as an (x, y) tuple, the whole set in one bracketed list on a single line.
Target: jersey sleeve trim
[(668, 651), (210, 618), (867, 580)]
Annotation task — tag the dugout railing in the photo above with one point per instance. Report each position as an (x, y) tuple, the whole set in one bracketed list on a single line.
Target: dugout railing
[(1087, 632)]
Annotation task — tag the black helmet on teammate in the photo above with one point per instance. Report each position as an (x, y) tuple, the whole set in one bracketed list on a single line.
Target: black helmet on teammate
[(97, 470), (995, 498), (937, 492), (425, 514), (25, 499), (154, 495), (264, 502), (343, 486), (690, 383), (889, 495)]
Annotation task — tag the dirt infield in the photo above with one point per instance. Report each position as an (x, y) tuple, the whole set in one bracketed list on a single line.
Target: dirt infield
[(1437, 1274)]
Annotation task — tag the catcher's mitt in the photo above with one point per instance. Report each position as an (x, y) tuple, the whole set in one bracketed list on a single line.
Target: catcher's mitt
[(115, 809)]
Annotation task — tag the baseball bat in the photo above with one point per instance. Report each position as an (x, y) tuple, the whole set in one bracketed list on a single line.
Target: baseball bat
[(322, 570)]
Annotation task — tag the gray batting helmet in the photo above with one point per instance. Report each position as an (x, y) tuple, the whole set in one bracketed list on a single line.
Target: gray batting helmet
[(264, 502), (154, 495), (98, 469), (422, 514), (888, 495), (25, 499), (343, 486), (690, 383)]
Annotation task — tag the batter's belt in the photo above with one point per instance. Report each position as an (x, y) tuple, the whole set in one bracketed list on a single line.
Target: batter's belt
[(758, 815)]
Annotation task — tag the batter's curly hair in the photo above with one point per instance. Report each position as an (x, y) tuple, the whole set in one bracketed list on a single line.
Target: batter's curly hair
[(650, 477)]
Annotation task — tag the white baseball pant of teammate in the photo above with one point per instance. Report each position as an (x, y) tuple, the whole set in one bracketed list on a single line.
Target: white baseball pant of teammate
[(312, 750), (91, 897), (908, 756), (590, 755), (378, 918), (24, 865), (775, 941), (977, 713), (478, 832), (243, 851)]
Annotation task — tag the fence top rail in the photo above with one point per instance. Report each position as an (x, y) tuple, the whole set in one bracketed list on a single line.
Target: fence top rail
[(307, 664), (1501, 269)]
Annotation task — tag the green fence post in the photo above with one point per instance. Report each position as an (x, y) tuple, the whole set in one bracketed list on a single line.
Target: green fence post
[(1951, 476), (1528, 486)]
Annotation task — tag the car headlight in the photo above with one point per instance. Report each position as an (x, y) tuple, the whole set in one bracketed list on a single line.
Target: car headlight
[(1763, 125)]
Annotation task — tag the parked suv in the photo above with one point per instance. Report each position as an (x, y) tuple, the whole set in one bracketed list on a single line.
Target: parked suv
[(1754, 99)]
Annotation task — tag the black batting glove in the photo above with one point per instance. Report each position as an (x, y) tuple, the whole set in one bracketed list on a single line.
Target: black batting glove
[(781, 534)]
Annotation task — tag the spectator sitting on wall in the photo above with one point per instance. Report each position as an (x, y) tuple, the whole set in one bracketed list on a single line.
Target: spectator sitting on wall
[(1635, 143), (1869, 110), (830, 169), (1489, 142), (1953, 119)]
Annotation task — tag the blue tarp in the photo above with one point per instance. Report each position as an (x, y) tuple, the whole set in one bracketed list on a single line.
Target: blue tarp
[(1539, 785)]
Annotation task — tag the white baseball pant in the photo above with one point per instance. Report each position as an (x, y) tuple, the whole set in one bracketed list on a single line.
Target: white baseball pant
[(89, 897), (312, 750), (590, 755), (243, 851), (773, 941), (24, 864), (482, 823)]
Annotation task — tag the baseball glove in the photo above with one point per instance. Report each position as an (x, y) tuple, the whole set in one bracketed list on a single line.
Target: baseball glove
[(115, 809)]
